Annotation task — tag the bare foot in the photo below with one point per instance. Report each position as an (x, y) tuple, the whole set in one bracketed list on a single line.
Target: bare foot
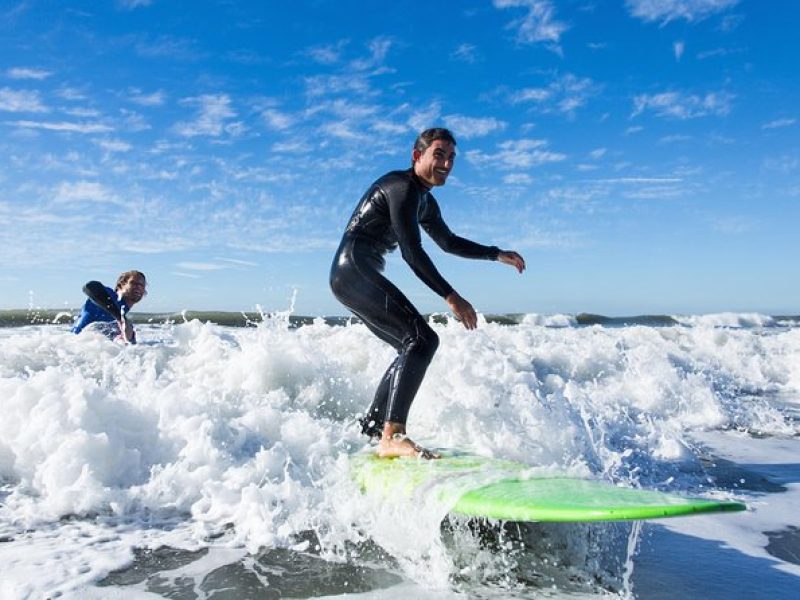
[(398, 445)]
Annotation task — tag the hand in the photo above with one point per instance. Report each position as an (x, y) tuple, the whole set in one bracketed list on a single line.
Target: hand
[(462, 310), (509, 257), (126, 329)]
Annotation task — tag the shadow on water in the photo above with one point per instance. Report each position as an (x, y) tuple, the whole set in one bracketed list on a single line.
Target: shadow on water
[(671, 565), (270, 574), (785, 544)]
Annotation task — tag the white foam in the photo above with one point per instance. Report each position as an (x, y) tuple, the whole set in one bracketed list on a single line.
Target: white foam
[(208, 426)]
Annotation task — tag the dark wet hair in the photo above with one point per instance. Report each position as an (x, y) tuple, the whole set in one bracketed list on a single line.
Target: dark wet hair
[(127, 276), (427, 137)]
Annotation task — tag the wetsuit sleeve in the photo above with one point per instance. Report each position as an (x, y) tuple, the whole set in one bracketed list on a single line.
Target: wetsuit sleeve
[(85, 318), (100, 295), (434, 225), (403, 204)]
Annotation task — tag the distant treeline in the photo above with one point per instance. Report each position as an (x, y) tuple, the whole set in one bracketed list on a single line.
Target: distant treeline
[(23, 317)]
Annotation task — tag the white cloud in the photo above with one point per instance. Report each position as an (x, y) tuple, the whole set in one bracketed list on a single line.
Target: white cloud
[(678, 49), (641, 180), (276, 119), (378, 47), (518, 179), (84, 191), (341, 130), (27, 73), (212, 114), (671, 10), (425, 117), (62, 126), (113, 145), (565, 94), (21, 101), (328, 54), (238, 262), (152, 99), (133, 4), (465, 53), (531, 95), (516, 154), (471, 127), (293, 147), (389, 127), (598, 153), (778, 123), (199, 266), (538, 25), (683, 106)]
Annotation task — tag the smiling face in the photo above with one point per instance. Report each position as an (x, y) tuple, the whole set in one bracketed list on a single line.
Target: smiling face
[(434, 164)]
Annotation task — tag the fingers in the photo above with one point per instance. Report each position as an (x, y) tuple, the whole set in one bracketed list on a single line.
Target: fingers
[(512, 258), (467, 316)]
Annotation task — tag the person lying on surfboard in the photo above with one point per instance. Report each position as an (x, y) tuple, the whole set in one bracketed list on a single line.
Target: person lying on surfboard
[(108, 308), (389, 215)]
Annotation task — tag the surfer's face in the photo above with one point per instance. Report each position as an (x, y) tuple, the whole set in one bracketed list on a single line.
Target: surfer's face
[(134, 290), (434, 164)]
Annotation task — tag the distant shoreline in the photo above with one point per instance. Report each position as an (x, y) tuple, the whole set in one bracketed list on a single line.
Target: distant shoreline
[(24, 317)]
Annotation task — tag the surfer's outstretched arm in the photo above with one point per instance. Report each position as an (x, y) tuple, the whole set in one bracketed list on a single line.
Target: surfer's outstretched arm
[(98, 294)]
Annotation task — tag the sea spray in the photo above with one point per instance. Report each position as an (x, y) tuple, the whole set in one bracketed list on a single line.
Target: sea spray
[(211, 436)]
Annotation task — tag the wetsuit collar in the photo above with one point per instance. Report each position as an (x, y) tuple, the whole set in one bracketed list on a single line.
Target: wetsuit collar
[(425, 187)]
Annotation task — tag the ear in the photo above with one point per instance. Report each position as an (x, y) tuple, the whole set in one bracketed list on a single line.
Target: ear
[(415, 154)]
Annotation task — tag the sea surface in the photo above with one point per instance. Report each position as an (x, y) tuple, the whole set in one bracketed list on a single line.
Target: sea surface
[(211, 460)]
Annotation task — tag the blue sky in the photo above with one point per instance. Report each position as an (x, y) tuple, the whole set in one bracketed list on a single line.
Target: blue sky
[(643, 156)]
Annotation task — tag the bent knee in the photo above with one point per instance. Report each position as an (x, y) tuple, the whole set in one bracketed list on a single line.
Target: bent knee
[(426, 340)]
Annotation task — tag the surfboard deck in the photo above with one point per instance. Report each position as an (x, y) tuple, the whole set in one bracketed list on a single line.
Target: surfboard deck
[(476, 486)]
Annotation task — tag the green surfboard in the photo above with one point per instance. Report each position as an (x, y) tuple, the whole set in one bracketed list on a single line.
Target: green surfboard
[(484, 487)]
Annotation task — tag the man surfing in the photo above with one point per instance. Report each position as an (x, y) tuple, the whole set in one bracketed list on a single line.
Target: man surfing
[(389, 215), (108, 308)]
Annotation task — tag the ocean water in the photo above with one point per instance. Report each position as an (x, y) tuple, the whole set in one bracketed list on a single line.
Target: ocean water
[(211, 461)]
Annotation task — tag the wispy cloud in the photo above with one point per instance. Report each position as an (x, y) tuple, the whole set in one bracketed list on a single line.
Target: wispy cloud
[(136, 96), (565, 94), (213, 114), (113, 145), (538, 25), (167, 47), (682, 106), (200, 266), (84, 191), (516, 154), (28, 73), (62, 126), (671, 10), (276, 119), (378, 49), (779, 123), (467, 53), (133, 4), (732, 225), (472, 127), (327, 54), (21, 101), (238, 262), (678, 49), (518, 179)]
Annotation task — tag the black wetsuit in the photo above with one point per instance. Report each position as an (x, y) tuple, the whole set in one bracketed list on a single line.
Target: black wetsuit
[(387, 216)]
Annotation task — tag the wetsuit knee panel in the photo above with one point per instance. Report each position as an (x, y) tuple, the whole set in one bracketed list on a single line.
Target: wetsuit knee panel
[(425, 341)]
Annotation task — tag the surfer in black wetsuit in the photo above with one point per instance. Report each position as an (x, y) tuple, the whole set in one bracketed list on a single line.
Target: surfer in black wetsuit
[(390, 215)]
